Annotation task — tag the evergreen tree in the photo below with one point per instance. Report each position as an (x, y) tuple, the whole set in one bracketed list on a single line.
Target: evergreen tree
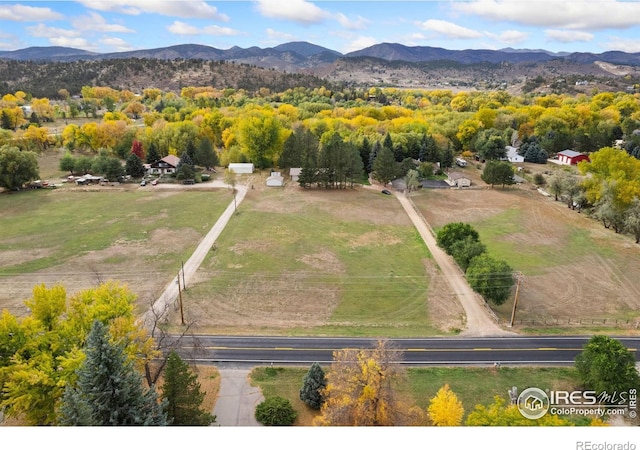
[(373, 155), (134, 167), (181, 391), (109, 391), (365, 153), (206, 156), (385, 167), (152, 153), (185, 169), (312, 385)]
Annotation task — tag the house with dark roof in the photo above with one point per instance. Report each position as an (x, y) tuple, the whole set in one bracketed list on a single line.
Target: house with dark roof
[(166, 165)]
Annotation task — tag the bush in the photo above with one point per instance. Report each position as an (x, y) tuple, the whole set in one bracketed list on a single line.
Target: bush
[(276, 411), (538, 179)]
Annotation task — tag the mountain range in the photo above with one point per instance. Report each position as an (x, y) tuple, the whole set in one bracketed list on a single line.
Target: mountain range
[(296, 56)]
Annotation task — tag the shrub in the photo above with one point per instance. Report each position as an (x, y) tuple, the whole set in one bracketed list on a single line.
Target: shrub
[(276, 411)]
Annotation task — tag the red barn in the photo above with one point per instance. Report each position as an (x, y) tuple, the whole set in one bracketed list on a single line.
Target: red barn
[(570, 157)]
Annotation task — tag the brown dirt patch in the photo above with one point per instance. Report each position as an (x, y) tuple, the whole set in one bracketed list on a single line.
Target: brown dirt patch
[(598, 279), (324, 261), (445, 311), (292, 300)]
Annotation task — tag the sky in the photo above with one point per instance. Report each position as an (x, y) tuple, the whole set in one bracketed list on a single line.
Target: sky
[(106, 26)]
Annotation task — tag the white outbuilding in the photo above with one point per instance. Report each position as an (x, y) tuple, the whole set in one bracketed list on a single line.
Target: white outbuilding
[(241, 168)]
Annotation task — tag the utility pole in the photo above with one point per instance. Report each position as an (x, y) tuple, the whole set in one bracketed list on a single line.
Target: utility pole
[(180, 299), (515, 300), (184, 283)]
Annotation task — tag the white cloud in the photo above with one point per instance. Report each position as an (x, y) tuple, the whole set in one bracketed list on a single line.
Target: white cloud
[(358, 43), (623, 45), (569, 14), (22, 13), (183, 28), (116, 44), (300, 11), (511, 37), (184, 9), (43, 31), (95, 22), (449, 29), (566, 36), (279, 36), (360, 23)]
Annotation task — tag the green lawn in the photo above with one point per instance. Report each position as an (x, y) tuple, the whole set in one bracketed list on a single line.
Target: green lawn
[(473, 386)]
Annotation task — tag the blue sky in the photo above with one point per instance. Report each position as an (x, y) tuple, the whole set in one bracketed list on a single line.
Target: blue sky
[(121, 25)]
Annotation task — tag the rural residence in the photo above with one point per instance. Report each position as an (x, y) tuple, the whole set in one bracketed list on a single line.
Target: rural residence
[(458, 179), (166, 165)]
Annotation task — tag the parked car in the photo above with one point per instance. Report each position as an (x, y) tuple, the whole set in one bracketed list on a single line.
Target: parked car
[(143, 183), (386, 191), (154, 182)]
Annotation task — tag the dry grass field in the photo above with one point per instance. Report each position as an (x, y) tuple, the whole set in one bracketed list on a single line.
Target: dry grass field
[(319, 261), (573, 268)]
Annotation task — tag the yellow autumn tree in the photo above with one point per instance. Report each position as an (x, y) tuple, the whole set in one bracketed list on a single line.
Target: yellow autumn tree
[(445, 410), (361, 390)]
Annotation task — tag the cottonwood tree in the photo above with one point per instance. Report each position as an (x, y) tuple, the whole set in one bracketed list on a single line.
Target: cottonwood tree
[(491, 145), (42, 351), (501, 414), (109, 391), (632, 220), (454, 232), (313, 384), (606, 365), (181, 391), (491, 278), (17, 167), (445, 410), (362, 389), (498, 172)]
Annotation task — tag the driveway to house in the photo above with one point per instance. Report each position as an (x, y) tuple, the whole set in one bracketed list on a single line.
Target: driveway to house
[(237, 399), (479, 318), (170, 294)]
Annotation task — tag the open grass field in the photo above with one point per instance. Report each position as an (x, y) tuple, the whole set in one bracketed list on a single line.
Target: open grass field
[(328, 262), (473, 386), (573, 267), (79, 237)]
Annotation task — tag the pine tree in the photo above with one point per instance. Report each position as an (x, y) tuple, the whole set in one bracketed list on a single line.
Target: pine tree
[(109, 391), (181, 391), (152, 153), (312, 385), (134, 166)]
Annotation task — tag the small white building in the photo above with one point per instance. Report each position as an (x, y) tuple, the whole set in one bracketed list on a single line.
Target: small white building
[(294, 173), (513, 156), (275, 180), (241, 168)]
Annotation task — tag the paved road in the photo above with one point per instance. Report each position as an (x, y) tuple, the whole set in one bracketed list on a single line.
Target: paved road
[(254, 350), (237, 399), (479, 319)]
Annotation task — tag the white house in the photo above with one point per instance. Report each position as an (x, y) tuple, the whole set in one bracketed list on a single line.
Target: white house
[(513, 156), (241, 168)]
